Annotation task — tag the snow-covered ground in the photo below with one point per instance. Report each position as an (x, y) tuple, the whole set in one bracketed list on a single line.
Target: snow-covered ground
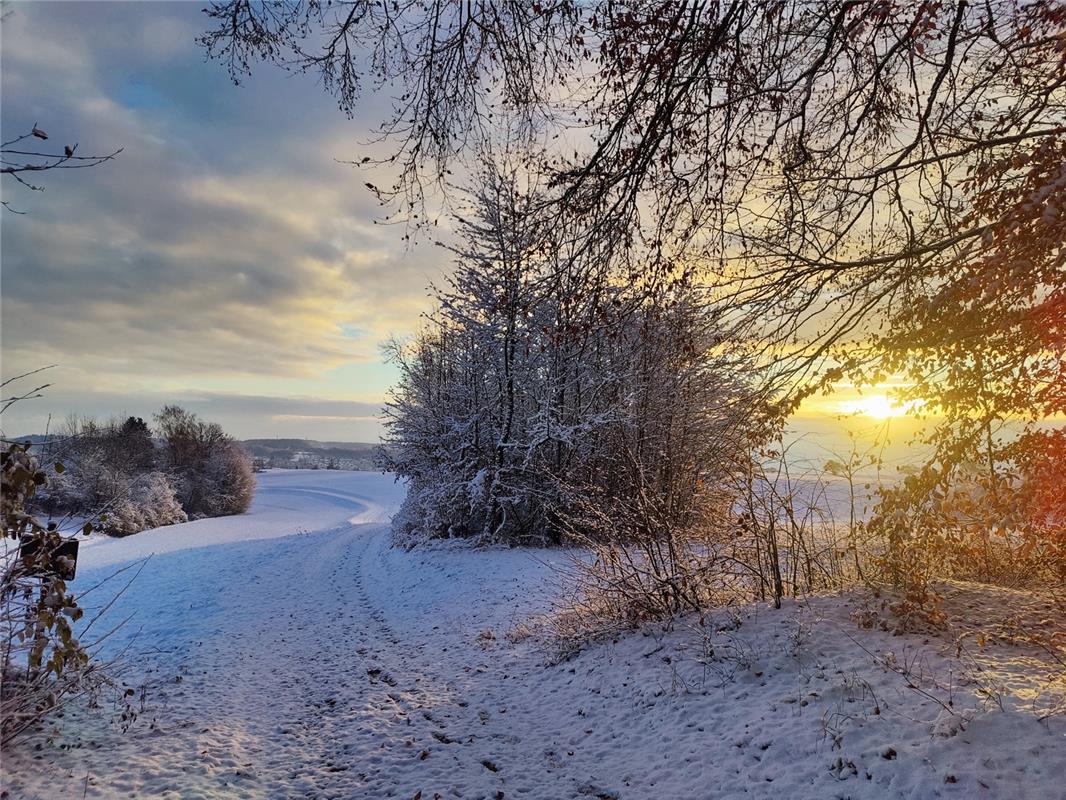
[(290, 652), (288, 501)]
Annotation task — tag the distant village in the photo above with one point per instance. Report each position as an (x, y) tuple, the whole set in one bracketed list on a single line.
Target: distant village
[(311, 454)]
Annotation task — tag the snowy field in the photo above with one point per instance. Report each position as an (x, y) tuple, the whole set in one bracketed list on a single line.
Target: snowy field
[(291, 653)]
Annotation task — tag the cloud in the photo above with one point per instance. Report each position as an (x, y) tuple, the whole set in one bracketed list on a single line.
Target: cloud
[(242, 415), (225, 244)]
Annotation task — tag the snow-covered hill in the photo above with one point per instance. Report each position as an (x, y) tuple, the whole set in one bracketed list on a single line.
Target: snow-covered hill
[(290, 652)]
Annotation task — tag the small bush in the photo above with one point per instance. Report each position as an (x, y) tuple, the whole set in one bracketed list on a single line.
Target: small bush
[(149, 503), (41, 662), (212, 474), (229, 481)]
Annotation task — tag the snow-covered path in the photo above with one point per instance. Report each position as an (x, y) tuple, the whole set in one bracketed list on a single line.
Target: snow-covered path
[(288, 652), (325, 664)]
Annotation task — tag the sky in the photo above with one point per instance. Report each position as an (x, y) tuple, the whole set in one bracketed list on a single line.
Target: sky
[(226, 260)]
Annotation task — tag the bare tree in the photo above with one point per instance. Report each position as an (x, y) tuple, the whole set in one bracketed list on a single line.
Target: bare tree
[(818, 162)]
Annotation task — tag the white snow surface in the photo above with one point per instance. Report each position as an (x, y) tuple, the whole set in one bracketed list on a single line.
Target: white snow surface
[(287, 501), (290, 652)]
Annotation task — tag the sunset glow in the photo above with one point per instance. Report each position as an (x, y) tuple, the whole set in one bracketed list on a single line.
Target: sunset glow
[(878, 406)]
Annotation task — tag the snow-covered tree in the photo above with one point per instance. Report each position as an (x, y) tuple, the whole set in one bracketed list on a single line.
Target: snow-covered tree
[(143, 502), (545, 399), (117, 474), (229, 482), (210, 470)]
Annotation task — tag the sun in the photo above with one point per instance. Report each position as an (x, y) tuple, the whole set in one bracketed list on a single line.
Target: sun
[(878, 406)]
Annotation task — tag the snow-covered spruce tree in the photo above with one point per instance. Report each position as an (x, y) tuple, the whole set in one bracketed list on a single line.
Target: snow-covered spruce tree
[(545, 400)]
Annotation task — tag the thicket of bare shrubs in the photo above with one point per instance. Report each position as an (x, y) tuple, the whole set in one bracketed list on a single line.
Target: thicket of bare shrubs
[(781, 532), (762, 531), (127, 480)]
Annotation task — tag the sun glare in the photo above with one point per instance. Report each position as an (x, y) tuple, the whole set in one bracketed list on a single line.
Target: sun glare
[(878, 406)]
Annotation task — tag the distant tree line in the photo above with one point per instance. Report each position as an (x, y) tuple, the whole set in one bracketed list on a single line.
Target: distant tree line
[(128, 477)]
